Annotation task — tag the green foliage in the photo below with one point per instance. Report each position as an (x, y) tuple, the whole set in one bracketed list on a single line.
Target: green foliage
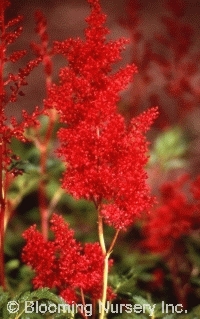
[(18, 306), (169, 149)]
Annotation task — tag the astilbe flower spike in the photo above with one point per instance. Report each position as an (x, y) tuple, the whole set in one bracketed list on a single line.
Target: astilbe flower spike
[(42, 49), (172, 219), (105, 158), (10, 88), (64, 263), (170, 54), (179, 63), (169, 227)]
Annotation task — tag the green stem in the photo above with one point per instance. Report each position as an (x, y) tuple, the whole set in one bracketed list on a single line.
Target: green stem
[(113, 242), (100, 231), (106, 262)]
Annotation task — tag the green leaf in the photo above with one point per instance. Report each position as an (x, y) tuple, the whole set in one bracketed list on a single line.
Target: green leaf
[(12, 264), (4, 296), (169, 149), (43, 293), (140, 300), (148, 306)]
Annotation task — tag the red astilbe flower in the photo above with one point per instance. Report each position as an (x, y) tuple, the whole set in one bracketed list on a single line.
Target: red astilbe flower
[(195, 190), (171, 220), (63, 263), (105, 158), (10, 85), (42, 49), (10, 88), (168, 229), (179, 63), (39, 254), (169, 57)]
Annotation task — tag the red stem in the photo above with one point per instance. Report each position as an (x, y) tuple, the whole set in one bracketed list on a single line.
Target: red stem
[(83, 303), (2, 202), (42, 194), (2, 193), (43, 165), (43, 146)]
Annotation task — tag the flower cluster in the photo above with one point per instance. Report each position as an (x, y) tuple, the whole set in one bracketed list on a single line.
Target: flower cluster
[(64, 263), (174, 218), (105, 157), (10, 86), (179, 64), (175, 62)]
